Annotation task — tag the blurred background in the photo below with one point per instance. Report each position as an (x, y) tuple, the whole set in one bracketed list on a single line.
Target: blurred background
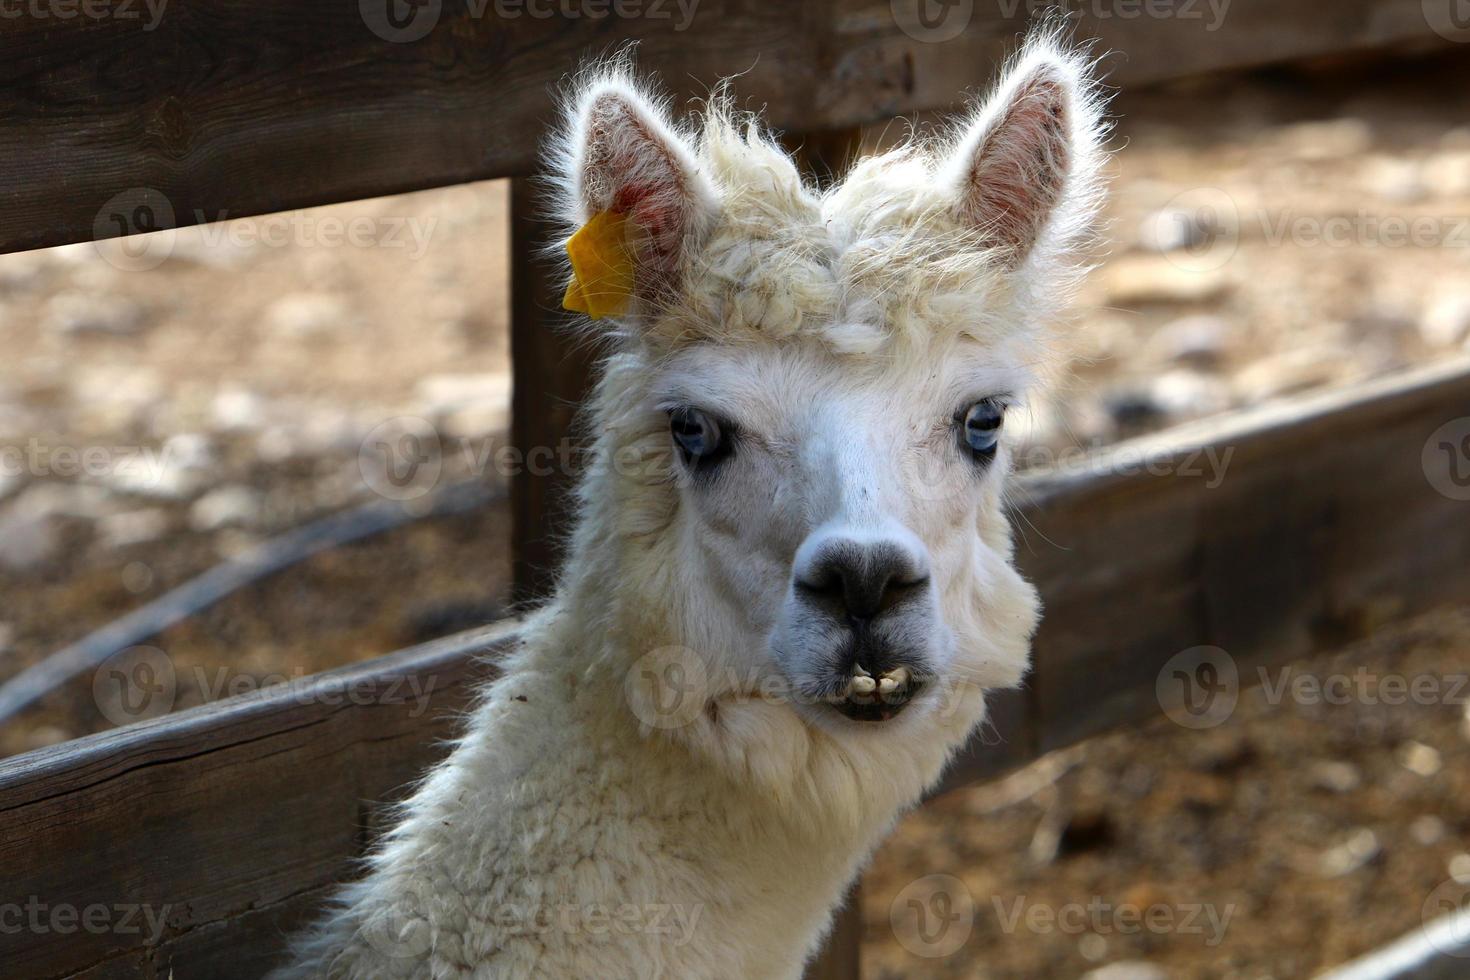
[(164, 410)]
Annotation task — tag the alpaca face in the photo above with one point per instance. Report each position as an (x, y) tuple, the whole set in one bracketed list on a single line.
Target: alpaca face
[(849, 505), (829, 376)]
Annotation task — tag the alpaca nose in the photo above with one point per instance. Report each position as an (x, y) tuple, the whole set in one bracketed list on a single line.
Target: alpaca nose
[(860, 581)]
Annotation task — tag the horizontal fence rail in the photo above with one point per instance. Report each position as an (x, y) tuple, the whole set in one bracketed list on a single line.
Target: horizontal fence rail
[(124, 116), (1273, 534)]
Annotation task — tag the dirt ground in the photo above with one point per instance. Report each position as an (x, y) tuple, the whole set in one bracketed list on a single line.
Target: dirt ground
[(1253, 252)]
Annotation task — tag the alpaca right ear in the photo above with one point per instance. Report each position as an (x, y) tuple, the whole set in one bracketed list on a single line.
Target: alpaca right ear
[(628, 162), (1030, 160)]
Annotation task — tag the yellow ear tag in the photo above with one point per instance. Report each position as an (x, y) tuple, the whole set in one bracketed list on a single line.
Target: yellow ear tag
[(602, 267)]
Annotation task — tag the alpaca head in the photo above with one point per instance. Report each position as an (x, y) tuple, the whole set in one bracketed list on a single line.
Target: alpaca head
[(815, 384)]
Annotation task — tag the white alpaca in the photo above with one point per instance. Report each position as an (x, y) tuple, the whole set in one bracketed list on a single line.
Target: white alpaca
[(790, 581)]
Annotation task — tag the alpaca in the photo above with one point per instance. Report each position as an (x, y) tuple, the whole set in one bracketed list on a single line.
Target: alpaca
[(790, 583)]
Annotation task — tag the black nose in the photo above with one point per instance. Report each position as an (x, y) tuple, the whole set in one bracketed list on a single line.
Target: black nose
[(859, 581)]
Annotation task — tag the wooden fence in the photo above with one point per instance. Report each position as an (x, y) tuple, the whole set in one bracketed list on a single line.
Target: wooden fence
[(233, 820)]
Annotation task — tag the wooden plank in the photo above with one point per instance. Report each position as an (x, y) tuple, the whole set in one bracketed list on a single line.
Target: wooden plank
[(230, 820), (114, 123), (1324, 528), (225, 822), (552, 373)]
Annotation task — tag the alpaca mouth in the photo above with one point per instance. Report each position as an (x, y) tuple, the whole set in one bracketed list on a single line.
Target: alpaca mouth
[(865, 698)]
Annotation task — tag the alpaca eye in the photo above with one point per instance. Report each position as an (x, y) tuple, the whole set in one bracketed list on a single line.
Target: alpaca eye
[(699, 436), (981, 427)]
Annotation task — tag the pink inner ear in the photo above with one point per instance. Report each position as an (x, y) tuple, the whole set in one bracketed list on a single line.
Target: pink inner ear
[(630, 169), (1020, 167), (657, 216)]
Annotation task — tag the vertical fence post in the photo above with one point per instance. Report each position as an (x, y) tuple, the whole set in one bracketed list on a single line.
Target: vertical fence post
[(551, 373), (840, 958)]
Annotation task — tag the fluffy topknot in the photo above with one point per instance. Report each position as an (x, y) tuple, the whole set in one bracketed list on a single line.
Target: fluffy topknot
[(972, 230)]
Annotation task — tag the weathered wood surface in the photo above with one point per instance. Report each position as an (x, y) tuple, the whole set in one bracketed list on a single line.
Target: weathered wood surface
[(236, 816), (226, 821), (552, 369), (1324, 528), (213, 109)]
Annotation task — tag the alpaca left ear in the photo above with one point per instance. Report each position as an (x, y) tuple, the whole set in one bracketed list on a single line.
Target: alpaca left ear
[(1030, 158)]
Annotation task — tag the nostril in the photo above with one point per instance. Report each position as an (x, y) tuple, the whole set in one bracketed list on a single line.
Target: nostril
[(860, 583), (897, 591)]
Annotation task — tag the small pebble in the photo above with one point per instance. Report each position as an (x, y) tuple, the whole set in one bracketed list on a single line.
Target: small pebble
[(1420, 759), (1427, 830), (1459, 868)]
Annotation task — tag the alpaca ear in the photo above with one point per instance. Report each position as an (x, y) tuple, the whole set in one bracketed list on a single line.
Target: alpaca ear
[(632, 177), (1030, 157)]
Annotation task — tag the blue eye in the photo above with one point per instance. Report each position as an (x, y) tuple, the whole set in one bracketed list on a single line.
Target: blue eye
[(981, 427), (700, 437)]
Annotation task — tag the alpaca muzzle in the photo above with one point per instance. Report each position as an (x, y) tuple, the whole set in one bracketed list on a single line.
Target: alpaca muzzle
[(869, 608)]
